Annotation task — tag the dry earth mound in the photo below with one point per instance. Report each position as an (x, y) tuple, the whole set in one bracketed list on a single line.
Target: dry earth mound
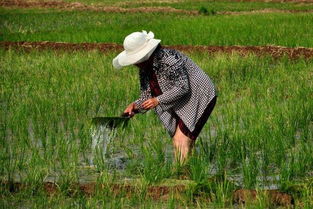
[(116, 9), (275, 51), (161, 192), (80, 6)]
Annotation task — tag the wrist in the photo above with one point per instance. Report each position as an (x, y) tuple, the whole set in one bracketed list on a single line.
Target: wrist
[(157, 100)]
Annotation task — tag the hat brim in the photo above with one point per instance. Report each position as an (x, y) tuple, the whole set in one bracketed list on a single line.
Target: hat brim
[(124, 59)]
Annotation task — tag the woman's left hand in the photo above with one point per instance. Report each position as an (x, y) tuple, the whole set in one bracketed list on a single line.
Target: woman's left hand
[(150, 103)]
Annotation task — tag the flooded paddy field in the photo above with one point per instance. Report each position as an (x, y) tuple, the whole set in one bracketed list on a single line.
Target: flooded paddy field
[(255, 149), (56, 75)]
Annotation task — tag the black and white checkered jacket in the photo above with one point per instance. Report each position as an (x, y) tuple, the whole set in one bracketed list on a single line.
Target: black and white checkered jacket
[(187, 90)]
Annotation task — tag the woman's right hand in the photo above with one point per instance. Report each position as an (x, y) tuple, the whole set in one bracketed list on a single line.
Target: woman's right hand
[(130, 109)]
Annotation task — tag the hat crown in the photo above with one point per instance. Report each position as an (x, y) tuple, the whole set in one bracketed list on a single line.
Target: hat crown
[(136, 40), (138, 47)]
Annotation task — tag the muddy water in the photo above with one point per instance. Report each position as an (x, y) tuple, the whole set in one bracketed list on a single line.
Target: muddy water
[(101, 137)]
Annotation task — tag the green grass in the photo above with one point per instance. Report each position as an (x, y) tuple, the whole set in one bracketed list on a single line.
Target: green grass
[(220, 6), (258, 29), (261, 126), (196, 5)]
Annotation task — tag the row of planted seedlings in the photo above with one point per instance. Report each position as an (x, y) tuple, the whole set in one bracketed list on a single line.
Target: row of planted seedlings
[(257, 137), (98, 27)]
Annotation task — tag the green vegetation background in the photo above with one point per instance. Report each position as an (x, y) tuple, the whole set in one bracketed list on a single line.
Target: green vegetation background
[(261, 127), (78, 26)]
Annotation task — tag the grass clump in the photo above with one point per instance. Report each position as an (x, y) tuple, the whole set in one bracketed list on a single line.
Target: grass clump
[(204, 11)]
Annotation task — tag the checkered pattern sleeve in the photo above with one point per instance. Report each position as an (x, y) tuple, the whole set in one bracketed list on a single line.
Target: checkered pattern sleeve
[(145, 92), (176, 73)]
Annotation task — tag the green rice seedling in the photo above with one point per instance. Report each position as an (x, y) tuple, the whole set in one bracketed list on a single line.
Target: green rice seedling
[(215, 192), (219, 191), (307, 195), (155, 166), (198, 170), (219, 6), (171, 203), (199, 166), (194, 5), (261, 200), (205, 11), (250, 171), (261, 126), (248, 29)]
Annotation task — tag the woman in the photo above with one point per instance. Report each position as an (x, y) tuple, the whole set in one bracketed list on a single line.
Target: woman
[(182, 95)]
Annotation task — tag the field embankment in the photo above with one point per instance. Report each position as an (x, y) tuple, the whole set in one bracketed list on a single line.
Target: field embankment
[(160, 192), (274, 51), (181, 8)]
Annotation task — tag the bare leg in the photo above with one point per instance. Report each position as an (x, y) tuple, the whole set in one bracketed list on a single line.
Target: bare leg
[(183, 146)]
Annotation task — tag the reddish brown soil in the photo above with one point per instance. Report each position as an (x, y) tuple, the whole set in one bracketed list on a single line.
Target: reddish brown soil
[(80, 6), (263, 11), (45, 45), (275, 51), (116, 9), (131, 2), (281, 1), (50, 188), (89, 189), (154, 192), (240, 196), (275, 197)]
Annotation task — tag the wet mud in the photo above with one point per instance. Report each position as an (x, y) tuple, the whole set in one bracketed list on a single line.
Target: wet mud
[(118, 9), (274, 51)]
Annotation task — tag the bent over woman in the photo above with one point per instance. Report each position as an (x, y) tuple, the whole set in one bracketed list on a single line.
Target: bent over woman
[(182, 95)]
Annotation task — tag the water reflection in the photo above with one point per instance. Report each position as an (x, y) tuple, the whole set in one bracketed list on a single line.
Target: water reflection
[(101, 137)]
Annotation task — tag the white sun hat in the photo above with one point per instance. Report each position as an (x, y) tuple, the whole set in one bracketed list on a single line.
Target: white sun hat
[(138, 47)]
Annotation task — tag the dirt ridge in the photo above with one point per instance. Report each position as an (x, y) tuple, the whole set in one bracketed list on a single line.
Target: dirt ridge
[(274, 51), (156, 192), (80, 6), (179, 1), (117, 9)]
